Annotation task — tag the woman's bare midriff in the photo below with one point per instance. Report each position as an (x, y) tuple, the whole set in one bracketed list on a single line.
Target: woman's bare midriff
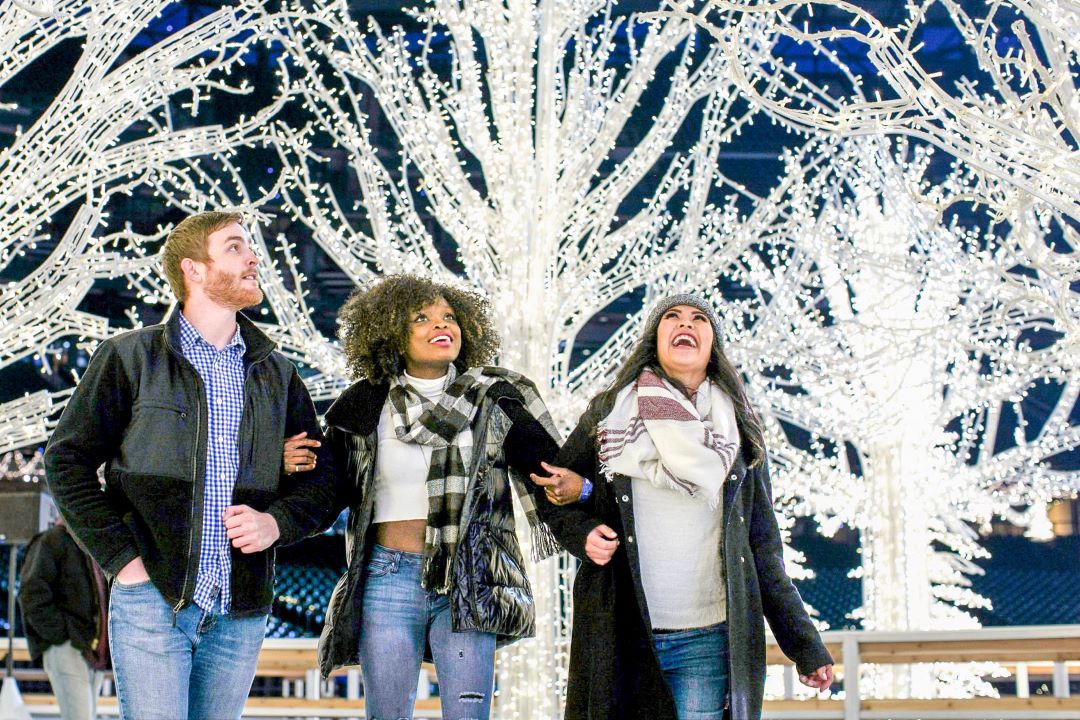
[(407, 535)]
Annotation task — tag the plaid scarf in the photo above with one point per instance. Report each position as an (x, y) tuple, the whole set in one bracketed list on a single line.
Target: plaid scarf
[(447, 427), (656, 433)]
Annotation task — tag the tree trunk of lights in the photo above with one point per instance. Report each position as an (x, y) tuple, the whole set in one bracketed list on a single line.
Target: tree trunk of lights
[(895, 546), (896, 538), (535, 669)]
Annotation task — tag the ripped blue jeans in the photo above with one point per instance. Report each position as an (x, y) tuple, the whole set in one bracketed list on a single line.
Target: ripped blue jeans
[(399, 617)]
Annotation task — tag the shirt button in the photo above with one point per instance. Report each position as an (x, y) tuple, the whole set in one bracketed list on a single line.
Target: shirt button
[(626, 498), (629, 538), (734, 477)]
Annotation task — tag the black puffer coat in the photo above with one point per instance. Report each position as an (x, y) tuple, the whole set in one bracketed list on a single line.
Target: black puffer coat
[(490, 590), (614, 672)]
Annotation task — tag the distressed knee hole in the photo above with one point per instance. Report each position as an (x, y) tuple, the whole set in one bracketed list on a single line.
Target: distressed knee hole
[(471, 697)]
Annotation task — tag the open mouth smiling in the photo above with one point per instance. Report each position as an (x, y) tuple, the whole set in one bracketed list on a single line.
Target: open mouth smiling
[(684, 340), (441, 339)]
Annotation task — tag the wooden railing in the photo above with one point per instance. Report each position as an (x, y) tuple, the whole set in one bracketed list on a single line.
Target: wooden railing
[(1045, 654), (1050, 653)]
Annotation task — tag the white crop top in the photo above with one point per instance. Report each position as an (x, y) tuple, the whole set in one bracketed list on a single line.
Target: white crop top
[(401, 468)]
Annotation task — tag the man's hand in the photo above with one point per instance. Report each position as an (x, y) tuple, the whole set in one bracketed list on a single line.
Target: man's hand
[(820, 679), (250, 530), (601, 544), (133, 573), (562, 487), (296, 456)]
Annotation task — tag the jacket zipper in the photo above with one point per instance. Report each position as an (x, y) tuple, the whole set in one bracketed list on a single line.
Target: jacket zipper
[(466, 520), (191, 519), (724, 560)]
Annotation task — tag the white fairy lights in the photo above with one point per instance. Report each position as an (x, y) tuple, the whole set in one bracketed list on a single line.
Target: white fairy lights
[(903, 344), (861, 311), (108, 131)]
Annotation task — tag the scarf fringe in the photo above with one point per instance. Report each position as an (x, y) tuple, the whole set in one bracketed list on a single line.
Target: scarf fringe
[(544, 544)]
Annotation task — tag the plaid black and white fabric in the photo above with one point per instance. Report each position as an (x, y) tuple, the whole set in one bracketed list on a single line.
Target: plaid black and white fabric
[(447, 427)]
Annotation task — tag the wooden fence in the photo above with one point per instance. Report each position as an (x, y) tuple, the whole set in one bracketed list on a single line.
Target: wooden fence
[(1048, 656)]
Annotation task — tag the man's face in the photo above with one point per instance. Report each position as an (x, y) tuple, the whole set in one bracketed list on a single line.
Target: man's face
[(231, 279)]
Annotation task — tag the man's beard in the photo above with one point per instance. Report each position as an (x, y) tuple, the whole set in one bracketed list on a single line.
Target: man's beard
[(226, 291)]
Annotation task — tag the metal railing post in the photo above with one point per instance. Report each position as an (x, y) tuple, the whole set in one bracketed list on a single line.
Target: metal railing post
[(852, 701), (1023, 686), (1061, 679)]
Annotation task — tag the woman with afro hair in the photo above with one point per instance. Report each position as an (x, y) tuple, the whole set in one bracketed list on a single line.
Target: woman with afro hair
[(430, 446)]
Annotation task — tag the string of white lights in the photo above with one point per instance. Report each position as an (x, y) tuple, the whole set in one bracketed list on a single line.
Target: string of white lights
[(1018, 123), (861, 310)]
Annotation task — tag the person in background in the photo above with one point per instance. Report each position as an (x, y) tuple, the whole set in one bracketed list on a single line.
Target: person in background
[(64, 601), (189, 419), (681, 554), (431, 446)]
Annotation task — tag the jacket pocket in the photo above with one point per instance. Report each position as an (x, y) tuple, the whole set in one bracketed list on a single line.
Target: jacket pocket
[(499, 597), (160, 440)]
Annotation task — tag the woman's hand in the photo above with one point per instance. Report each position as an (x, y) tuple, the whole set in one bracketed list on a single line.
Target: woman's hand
[(820, 679), (601, 544), (562, 487), (297, 456)]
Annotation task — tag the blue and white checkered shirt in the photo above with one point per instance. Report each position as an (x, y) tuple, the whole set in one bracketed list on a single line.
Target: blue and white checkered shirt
[(222, 372)]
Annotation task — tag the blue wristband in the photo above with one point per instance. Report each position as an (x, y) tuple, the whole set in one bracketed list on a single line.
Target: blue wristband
[(586, 490)]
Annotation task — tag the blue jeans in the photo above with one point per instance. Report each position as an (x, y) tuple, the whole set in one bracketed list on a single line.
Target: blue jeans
[(398, 619), (695, 666), (191, 664)]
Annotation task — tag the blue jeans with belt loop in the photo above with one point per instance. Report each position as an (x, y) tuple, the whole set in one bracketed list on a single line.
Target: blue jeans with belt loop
[(695, 666), (398, 619), (189, 664)]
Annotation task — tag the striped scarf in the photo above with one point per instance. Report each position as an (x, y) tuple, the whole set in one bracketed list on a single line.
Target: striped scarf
[(447, 427), (656, 433)]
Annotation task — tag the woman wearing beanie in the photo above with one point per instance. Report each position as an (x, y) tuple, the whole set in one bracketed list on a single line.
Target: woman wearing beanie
[(680, 549), (430, 447)]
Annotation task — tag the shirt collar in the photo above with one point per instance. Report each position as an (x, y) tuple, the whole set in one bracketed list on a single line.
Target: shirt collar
[(190, 337)]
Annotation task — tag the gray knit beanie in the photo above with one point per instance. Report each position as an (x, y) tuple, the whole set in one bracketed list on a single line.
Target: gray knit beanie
[(691, 299)]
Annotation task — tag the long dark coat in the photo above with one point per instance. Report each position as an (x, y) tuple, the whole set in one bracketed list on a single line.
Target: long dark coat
[(614, 671)]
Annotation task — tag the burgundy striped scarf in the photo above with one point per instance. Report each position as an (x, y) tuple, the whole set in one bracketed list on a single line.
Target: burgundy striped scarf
[(656, 433)]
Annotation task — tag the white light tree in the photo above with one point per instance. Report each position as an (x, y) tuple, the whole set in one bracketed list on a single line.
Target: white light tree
[(908, 348), (122, 120), (502, 146), (508, 142), (574, 157), (1017, 119)]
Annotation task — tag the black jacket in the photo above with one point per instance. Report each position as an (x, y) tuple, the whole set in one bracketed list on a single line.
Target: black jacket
[(56, 593), (140, 408), (490, 590), (614, 672)]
